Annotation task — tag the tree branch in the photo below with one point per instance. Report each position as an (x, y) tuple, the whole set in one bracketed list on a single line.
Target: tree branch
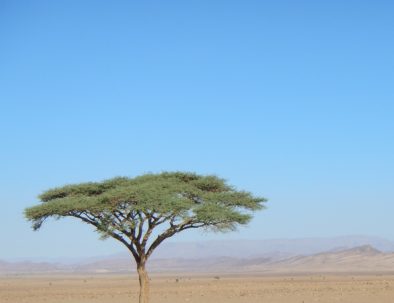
[(95, 221), (170, 232)]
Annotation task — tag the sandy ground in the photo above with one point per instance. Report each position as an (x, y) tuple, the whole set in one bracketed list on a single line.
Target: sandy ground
[(200, 289)]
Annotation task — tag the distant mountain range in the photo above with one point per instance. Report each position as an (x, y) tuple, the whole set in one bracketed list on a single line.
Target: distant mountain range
[(272, 247), (359, 259), (341, 254)]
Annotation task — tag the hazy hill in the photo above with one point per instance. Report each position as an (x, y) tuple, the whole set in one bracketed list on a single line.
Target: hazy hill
[(359, 259), (28, 267)]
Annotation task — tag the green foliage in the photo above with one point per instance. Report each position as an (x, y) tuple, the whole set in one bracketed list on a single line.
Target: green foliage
[(128, 209)]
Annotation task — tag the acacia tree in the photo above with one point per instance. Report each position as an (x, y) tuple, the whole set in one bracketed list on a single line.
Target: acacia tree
[(142, 212)]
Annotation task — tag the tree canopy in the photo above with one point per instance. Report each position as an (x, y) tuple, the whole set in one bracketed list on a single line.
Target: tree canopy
[(129, 209)]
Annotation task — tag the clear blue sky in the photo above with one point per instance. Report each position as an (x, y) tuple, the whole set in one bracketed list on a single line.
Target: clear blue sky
[(292, 100)]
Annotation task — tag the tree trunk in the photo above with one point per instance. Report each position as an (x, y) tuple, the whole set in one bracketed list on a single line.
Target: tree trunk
[(144, 283)]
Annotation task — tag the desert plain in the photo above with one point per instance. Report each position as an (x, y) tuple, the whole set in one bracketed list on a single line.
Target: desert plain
[(360, 274), (206, 288)]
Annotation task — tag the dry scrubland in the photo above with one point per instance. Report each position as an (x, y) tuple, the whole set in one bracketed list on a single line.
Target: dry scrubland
[(200, 289)]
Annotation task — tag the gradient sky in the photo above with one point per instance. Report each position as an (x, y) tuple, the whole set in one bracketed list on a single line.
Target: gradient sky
[(292, 100)]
